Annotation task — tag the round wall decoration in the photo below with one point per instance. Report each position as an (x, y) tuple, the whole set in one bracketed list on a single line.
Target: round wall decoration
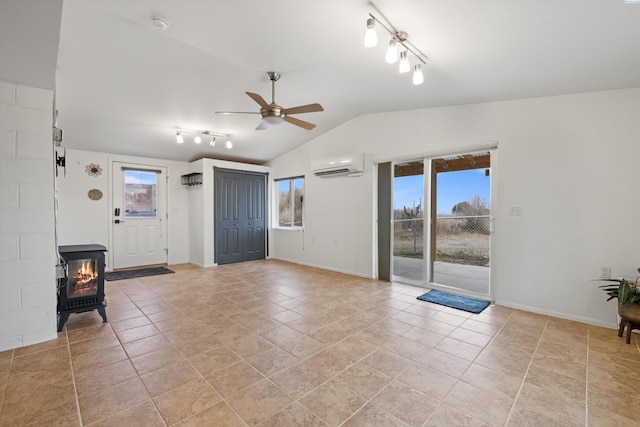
[(95, 194), (93, 169)]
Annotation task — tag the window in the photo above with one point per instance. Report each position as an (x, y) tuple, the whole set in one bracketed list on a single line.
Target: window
[(290, 193), (140, 194)]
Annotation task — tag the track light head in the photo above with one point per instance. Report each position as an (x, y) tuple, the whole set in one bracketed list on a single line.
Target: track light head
[(404, 66), (392, 52), (197, 139), (418, 77), (370, 36), (213, 141), (179, 138), (229, 144)]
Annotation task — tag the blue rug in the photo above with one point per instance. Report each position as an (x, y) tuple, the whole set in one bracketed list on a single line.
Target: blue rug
[(455, 301)]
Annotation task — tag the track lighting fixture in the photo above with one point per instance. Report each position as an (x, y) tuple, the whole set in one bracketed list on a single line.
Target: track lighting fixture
[(397, 38), (203, 133)]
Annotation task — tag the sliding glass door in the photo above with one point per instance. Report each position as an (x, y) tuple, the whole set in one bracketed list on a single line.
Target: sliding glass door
[(442, 222)]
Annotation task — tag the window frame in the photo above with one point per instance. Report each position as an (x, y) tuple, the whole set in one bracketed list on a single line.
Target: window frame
[(291, 180)]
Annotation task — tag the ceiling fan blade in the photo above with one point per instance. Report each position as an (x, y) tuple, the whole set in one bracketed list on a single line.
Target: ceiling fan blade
[(237, 112), (298, 122), (262, 126), (310, 108), (260, 100)]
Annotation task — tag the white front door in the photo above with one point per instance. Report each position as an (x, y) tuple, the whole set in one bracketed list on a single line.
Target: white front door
[(139, 215)]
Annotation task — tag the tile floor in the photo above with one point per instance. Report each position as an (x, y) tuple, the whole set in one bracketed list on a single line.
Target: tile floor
[(275, 344)]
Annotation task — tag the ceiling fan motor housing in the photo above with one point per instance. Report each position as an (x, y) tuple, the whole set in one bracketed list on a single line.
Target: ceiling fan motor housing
[(273, 115)]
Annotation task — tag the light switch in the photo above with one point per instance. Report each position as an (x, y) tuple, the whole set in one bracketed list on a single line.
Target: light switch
[(515, 210)]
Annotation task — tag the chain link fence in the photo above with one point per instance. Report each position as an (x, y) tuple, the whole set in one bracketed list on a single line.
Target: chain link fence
[(459, 239), (463, 239)]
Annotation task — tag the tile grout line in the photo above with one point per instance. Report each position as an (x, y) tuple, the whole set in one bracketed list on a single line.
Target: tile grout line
[(4, 394), (586, 385), (73, 378), (515, 400)]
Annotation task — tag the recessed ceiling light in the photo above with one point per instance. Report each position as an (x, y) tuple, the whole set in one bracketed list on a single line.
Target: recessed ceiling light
[(160, 23)]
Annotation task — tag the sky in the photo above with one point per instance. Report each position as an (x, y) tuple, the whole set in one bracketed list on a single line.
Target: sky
[(453, 188)]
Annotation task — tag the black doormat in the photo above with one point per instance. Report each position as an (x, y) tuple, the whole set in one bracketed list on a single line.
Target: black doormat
[(455, 301), (132, 274)]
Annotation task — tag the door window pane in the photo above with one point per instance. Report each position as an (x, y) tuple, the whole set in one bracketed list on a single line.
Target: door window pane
[(140, 194), (408, 221)]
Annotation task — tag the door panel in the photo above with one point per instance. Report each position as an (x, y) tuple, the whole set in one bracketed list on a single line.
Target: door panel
[(132, 240), (254, 218), (240, 216), (227, 220), (139, 202)]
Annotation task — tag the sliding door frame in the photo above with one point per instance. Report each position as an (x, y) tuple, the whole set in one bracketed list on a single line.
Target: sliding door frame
[(429, 223)]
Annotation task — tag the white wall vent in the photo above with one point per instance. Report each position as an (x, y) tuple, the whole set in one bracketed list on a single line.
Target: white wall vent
[(351, 164)]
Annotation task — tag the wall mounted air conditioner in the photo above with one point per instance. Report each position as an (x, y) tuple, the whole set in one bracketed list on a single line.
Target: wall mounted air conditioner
[(350, 164)]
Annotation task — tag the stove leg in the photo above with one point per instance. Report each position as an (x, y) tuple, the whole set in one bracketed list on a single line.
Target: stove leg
[(62, 319), (103, 314)]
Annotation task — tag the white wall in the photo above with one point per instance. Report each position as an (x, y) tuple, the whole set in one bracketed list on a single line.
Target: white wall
[(570, 161), (83, 221), (338, 215), (27, 242), (202, 218)]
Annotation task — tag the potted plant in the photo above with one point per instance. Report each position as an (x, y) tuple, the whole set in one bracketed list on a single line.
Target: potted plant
[(628, 295)]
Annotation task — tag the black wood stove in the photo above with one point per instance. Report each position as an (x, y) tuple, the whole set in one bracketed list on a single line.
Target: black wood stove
[(82, 287)]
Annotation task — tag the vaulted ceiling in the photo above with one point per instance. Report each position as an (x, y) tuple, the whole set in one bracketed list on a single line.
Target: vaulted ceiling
[(123, 85)]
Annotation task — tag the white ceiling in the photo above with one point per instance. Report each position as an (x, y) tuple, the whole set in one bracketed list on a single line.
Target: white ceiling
[(123, 85)]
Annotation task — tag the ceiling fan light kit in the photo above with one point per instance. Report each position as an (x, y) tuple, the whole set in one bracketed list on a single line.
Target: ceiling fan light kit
[(273, 114), (397, 38)]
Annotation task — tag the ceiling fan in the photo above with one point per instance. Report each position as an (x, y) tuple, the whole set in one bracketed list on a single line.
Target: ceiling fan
[(273, 114)]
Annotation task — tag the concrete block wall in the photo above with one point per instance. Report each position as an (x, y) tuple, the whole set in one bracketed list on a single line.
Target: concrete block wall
[(27, 237)]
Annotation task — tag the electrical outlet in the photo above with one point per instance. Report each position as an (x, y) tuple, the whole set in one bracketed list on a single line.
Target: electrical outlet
[(605, 272)]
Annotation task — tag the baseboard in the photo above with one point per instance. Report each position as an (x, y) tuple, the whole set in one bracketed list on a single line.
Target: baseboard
[(558, 314), (324, 267)]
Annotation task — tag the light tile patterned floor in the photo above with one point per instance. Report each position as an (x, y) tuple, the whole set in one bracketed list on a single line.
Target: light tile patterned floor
[(275, 344)]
